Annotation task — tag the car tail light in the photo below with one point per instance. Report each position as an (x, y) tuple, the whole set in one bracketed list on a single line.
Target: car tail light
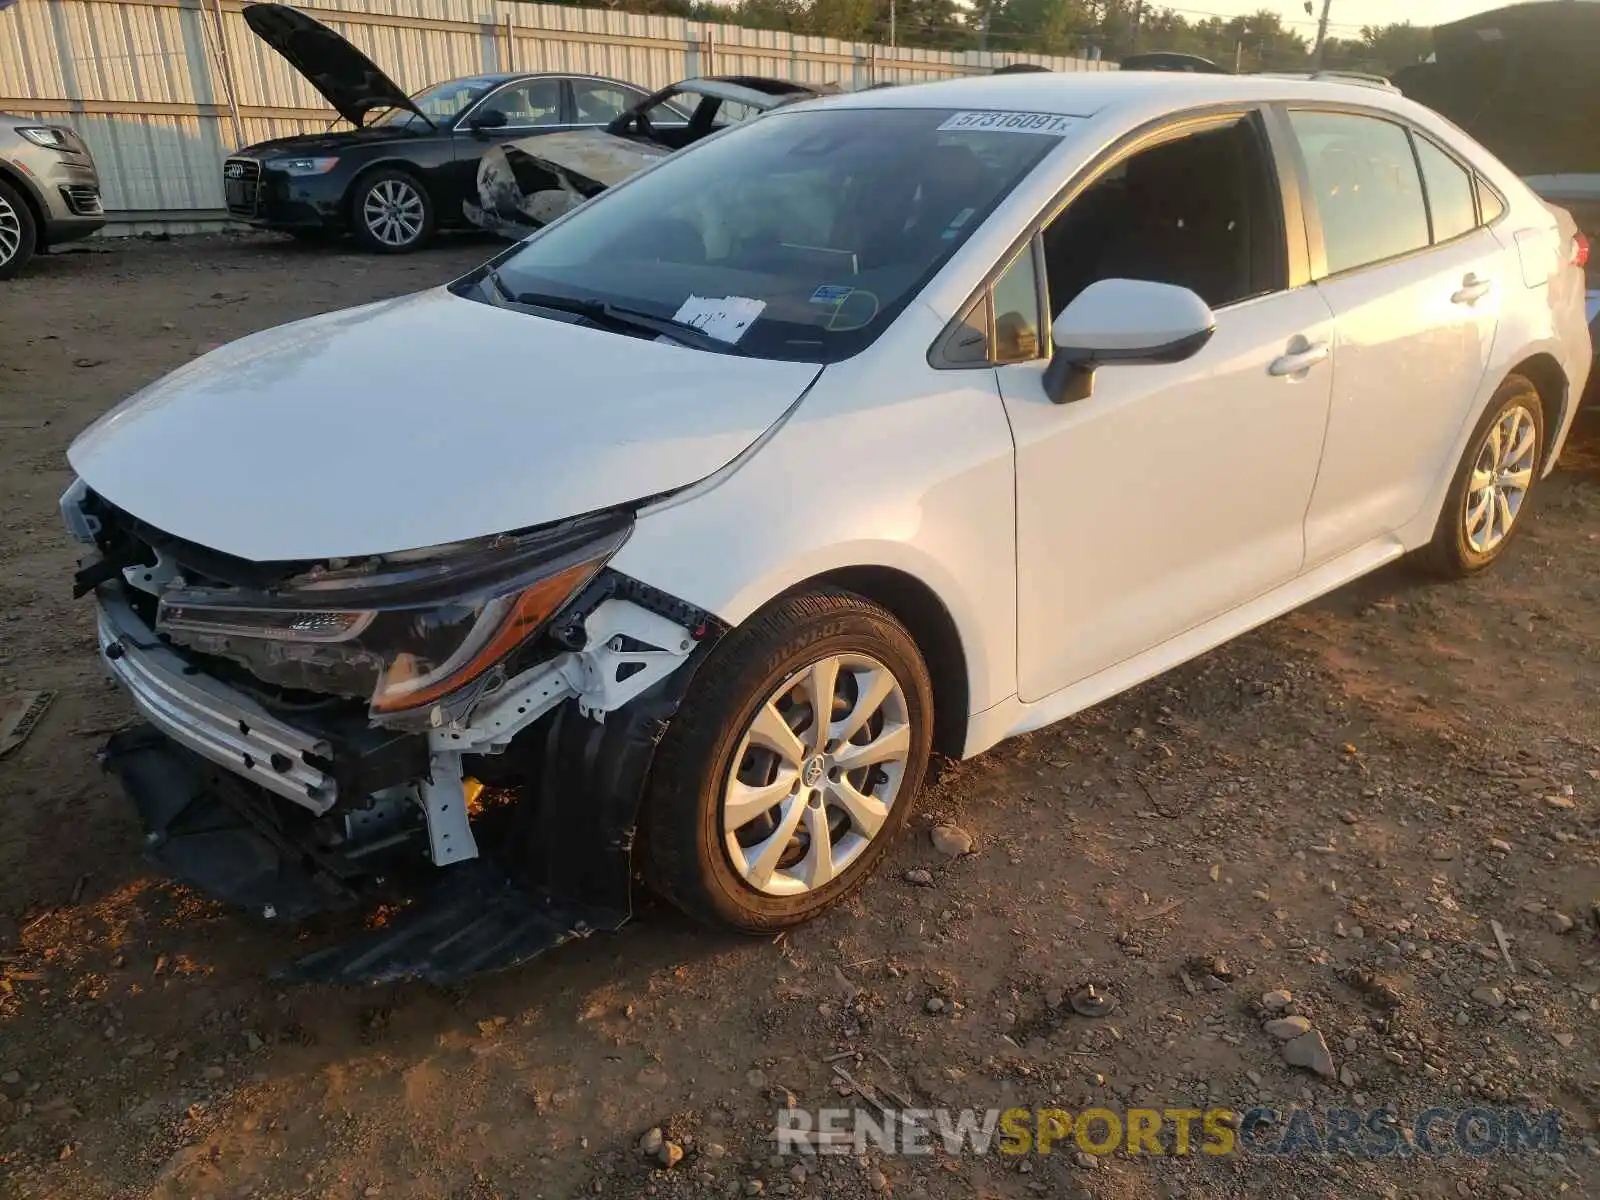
[(1580, 250)]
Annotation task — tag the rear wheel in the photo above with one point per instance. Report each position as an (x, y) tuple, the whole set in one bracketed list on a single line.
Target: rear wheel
[(392, 212), (792, 764), (18, 236), (1493, 484)]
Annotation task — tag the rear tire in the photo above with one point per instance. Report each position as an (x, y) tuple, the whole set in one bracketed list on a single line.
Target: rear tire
[(1493, 486), (19, 236), (391, 212), (717, 790)]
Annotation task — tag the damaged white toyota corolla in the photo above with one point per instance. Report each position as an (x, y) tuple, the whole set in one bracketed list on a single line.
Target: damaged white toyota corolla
[(675, 539)]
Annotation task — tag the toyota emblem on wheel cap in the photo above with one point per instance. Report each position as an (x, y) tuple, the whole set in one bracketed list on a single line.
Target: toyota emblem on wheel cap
[(812, 775)]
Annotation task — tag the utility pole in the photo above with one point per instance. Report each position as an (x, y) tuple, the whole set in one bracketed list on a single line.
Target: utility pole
[(225, 62), (1322, 36), (891, 24), (983, 29), (1133, 34)]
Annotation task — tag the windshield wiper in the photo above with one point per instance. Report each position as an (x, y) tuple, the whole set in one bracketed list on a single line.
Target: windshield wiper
[(615, 316)]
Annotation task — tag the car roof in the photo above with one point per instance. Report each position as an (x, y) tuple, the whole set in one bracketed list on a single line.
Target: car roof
[(1089, 93), (496, 78), (767, 84)]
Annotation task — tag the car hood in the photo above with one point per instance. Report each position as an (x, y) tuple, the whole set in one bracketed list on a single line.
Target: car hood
[(591, 155), (420, 421), (347, 78), (334, 140)]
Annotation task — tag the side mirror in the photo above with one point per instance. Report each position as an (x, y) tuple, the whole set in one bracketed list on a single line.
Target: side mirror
[(1123, 321), (487, 118)]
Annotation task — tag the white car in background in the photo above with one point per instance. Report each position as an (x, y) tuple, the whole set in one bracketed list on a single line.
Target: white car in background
[(526, 183), (680, 535)]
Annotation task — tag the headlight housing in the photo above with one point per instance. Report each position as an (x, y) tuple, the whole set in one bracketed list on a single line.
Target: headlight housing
[(303, 166), (43, 135), (407, 630)]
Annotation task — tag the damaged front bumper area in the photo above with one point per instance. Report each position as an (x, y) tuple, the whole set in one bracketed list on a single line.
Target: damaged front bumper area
[(213, 720), (492, 827)]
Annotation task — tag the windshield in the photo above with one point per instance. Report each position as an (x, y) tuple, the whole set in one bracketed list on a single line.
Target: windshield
[(443, 102), (799, 236)]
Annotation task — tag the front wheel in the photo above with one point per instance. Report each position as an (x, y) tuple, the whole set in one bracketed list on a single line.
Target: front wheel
[(17, 234), (1493, 484), (392, 212), (791, 765)]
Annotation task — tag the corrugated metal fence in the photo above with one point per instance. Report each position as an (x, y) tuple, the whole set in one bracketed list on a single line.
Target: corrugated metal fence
[(162, 89)]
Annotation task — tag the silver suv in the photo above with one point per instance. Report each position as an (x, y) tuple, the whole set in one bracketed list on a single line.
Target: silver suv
[(49, 190)]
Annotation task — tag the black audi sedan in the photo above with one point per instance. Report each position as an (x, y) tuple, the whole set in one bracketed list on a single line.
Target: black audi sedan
[(405, 168)]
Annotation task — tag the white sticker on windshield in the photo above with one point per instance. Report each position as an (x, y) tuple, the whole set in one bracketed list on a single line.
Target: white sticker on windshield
[(1011, 122), (725, 318)]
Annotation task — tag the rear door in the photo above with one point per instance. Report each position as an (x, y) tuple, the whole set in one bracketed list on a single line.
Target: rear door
[(1415, 281)]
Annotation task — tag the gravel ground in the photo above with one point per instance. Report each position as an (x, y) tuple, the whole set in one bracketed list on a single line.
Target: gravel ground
[(1340, 806)]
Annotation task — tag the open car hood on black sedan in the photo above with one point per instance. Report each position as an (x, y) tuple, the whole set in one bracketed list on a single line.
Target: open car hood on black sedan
[(350, 81)]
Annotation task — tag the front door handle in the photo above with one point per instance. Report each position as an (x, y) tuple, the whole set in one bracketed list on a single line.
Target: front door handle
[(1299, 360), (1472, 290)]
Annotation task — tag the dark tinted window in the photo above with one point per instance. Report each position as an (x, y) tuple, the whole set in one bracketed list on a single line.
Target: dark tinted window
[(1450, 199), (1199, 211), (1365, 186)]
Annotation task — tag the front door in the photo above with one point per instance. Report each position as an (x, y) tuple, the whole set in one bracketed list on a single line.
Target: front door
[(531, 106), (1174, 492)]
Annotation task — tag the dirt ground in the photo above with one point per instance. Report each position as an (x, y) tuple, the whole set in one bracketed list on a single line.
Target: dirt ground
[(1340, 805)]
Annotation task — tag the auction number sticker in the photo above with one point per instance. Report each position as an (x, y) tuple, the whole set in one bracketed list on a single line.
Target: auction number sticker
[(1011, 122)]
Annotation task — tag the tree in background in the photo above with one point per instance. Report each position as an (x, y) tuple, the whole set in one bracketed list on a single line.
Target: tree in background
[(850, 20), (1381, 49), (1258, 42), (1039, 26)]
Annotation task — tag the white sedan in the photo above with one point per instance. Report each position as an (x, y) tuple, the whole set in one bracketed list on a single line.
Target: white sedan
[(679, 536)]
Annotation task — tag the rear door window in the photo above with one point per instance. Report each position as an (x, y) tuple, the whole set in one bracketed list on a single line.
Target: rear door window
[(596, 103), (1490, 203), (1364, 185), (1450, 194)]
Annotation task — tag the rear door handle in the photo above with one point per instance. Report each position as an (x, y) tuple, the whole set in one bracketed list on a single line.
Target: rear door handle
[(1299, 360), (1472, 290)]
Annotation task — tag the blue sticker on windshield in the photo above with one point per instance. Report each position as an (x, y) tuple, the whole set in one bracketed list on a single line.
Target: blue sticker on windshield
[(831, 293)]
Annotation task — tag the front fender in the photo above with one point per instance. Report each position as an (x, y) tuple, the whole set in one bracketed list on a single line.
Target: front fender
[(920, 483)]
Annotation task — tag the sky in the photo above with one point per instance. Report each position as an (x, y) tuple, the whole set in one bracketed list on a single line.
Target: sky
[(1347, 17)]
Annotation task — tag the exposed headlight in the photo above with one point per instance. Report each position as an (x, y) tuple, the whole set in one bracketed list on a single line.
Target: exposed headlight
[(302, 166), (404, 631), (42, 135)]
